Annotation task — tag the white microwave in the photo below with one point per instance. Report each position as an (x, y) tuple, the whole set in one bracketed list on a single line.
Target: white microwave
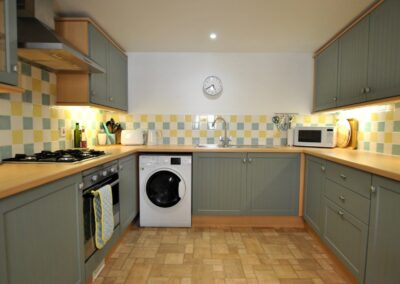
[(324, 137)]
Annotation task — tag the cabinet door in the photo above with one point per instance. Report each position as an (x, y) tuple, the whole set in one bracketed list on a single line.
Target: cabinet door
[(384, 233), (353, 61), (41, 240), (326, 78), (347, 237), (98, 51), (314, 191), (384, 55), (8, 42), (219, 183), (128, 190), (117, 79), (273, 183)]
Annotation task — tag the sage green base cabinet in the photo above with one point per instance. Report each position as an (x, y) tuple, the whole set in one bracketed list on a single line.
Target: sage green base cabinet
[(383, 261), (314, 191), (245, 184), (273, 184), (41, 236), (128, 190), (8, 42)]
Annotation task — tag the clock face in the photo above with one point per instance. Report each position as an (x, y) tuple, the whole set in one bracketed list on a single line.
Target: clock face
[(212, 86)]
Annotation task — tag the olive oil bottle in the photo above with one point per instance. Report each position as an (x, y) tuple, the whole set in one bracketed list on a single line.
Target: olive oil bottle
[(77, 136)]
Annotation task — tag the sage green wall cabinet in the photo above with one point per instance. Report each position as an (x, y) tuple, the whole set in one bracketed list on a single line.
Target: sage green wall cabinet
[(98, 51), (384, 56), (326, 78), (128, 190), (383, 260), (8, 42), (314, 191), (219, 183), (42, 235), (353, 60), (273, 183), (347, 237), (240, 183), (117, 78)]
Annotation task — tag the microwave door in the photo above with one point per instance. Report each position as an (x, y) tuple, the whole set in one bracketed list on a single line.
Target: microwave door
[(310, 136)]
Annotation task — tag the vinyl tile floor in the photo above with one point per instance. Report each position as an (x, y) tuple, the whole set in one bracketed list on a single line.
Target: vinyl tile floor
[(219, 255)]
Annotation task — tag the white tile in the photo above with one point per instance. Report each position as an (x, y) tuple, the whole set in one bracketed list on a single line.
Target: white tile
[(37, 123), (5, 107), (17, 149), (38, 147), (16, 123), (27, 136), (5, 137)]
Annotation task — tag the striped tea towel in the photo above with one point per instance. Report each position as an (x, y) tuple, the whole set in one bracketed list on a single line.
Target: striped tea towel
[(103, 213)]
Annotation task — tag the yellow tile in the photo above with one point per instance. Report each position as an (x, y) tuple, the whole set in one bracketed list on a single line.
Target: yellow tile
[(388, 137), (158, 118), (247, 118), (37, 110), (53, 89), (99, 117), (233, 118), (36, 73), (143, 118), (16, 108), (37, 135), (232, 133), (17, 137), (173, 118), (188, 133), (54, 135), (217, 133), (263, 118), (68, 135), (373, 137), (203, 133), (129, 118), (389, 115), (262, 134), (277, 134), (322, 119), (36, 85), (374, 117), (247, 133), (307, 119), (188, 118), (173, 133), (361, 136), (54, 113)]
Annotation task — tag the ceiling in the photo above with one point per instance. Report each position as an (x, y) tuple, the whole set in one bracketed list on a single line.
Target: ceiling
[(241, 25)]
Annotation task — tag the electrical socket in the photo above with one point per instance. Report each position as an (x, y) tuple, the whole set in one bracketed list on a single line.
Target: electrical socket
[(61, 131)]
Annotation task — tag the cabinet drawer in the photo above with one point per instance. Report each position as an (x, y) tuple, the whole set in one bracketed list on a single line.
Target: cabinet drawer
[(347, 237), (353, 179), (348, 200)]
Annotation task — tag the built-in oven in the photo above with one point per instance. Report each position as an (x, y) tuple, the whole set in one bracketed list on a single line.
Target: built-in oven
[(94, 179)]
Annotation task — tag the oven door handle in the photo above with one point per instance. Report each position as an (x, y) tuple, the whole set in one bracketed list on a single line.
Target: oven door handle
[(114, 182)]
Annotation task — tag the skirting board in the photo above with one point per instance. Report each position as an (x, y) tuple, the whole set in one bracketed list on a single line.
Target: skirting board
[(248, 221)]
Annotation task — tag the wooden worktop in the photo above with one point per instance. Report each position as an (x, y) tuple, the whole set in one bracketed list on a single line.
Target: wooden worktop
[(16, 178)]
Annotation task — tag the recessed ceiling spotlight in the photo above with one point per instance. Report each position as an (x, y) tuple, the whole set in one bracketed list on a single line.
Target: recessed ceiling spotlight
[(213, 36)]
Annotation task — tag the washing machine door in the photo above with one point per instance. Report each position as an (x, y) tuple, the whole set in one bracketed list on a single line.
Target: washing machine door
[(164, 189)]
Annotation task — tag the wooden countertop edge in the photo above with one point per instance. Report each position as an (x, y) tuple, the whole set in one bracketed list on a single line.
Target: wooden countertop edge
[(118, 152)]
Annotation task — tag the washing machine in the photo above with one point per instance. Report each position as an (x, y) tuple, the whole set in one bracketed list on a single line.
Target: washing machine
[(165, 190)]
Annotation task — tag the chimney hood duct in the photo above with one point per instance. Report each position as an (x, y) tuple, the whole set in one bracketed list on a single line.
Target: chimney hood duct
[(40, 45)]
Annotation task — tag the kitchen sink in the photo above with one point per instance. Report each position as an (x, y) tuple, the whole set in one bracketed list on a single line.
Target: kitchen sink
[(215, 146)]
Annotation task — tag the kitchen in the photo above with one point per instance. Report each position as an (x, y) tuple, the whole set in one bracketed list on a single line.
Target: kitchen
[(259, 211)]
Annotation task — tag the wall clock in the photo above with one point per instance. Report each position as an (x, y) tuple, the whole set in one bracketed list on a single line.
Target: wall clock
[(212, 86)]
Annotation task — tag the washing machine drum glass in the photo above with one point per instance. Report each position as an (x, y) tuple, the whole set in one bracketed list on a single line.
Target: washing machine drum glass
[(162, 189)]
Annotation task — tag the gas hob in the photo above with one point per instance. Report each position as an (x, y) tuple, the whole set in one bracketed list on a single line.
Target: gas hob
[(60, 156)]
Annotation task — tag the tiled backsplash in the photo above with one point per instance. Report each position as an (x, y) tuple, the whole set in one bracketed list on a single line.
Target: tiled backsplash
[(30, 122)]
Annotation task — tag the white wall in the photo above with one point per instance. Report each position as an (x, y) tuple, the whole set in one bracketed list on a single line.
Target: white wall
[(254, 83)]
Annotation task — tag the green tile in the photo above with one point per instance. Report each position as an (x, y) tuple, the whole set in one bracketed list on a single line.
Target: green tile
[(367, 127), (255, 126), (4, 96), (270, 141), (366, 146), (396, 149), (165, 126), (61, 123), (45, 76), (27, 122), (45, 99), (270, 126), (28, 149), (210, 140), (379, 147), (181, 125), (195, 140), (165, 140), (26, 69), (61, 144), (240, 126), (240, 141), (381, 126), (6, 152), (397, 105), (181, 140), (396, 126), (283, 141), (27, 96), (46, 123), (5, 122), (254, 141), (136, 125), (151, 126), (47, 146)]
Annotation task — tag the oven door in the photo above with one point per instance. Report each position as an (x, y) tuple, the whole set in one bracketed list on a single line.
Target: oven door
[(88, 213)]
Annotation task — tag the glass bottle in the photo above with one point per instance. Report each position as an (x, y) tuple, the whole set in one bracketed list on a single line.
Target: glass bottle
[(83, 138), (77, 136)]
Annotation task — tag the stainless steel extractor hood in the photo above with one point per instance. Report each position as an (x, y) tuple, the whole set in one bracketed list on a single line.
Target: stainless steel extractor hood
[(40, 45)]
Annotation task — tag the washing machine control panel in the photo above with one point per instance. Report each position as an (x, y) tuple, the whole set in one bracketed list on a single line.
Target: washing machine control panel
[(175, 161)]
